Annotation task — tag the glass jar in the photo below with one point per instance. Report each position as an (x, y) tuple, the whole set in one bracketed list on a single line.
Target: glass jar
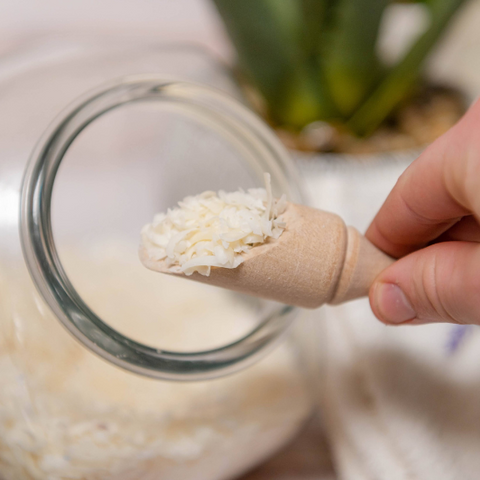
[(107, 370)]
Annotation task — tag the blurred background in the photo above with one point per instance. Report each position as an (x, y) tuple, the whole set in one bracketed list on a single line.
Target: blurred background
[(184, 20), (354, 66), (197, 21), (341, 116)]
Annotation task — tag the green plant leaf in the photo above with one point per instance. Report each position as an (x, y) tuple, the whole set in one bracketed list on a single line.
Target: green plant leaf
[(349, 59), (269, 40), (315, 16), (402, 78)]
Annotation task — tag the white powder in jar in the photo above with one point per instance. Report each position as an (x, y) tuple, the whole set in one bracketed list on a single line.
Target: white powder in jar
[(66, 414)]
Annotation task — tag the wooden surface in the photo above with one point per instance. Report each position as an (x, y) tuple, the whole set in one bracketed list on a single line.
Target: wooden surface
[(307, 457)]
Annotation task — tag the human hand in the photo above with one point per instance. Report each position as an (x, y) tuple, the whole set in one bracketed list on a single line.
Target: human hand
[(431, 222)]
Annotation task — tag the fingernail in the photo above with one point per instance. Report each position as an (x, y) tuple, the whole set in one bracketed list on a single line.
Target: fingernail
[(392, 305)]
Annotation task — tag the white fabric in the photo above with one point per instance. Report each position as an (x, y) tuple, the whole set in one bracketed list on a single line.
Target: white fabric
[(400, 403)]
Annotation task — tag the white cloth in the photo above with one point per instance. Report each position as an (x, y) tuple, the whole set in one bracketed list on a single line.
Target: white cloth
[(400, 403)]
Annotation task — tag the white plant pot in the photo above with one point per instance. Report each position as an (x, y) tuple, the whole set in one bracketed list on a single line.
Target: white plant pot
[(398, 403)]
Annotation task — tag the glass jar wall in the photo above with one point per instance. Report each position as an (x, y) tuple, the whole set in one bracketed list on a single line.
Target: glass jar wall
[(64, 411)]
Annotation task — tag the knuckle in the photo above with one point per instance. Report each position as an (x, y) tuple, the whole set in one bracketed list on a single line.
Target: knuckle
[(475, 290), (415, 211), (437, 295)]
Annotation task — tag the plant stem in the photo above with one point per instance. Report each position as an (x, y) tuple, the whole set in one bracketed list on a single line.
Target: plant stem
[(349, 55), (268, 38)]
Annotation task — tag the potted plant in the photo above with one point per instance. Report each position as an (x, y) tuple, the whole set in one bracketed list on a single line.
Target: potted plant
[(312, 68), (317, 77)]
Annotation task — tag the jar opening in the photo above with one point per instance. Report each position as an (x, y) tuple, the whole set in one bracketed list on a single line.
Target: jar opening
[(216, 112)]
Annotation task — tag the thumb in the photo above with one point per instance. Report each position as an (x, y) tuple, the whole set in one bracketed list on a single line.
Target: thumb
[(439, 283)]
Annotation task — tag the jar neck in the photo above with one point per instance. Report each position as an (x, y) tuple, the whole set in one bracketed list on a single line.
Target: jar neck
[(220, 113)]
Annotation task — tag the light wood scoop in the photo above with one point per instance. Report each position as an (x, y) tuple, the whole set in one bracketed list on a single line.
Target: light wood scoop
[(316, 260)]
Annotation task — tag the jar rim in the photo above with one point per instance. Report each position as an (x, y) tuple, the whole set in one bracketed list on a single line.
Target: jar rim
[(42, 259)]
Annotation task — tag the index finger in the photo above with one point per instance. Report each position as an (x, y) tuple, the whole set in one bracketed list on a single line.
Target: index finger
[(435, 192)]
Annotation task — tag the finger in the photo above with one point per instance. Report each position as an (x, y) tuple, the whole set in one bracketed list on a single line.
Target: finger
[(440, 283), (466, 230), (434, 193)]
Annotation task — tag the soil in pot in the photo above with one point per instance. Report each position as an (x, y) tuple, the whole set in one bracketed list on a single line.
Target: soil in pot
[(416, 123)]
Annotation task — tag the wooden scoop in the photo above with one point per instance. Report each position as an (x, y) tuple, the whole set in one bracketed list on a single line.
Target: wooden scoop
[(316, 260)]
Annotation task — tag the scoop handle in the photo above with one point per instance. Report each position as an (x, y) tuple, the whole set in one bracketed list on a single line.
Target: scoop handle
[(363, 262)]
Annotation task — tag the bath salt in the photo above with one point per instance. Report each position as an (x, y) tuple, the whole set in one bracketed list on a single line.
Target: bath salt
[(214, 229), (67, 414)]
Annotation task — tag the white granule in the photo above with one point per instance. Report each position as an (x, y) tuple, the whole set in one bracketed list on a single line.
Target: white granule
[(214, 229), (66, 414)]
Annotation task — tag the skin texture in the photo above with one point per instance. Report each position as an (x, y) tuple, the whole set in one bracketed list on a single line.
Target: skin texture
[(431, 222)]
